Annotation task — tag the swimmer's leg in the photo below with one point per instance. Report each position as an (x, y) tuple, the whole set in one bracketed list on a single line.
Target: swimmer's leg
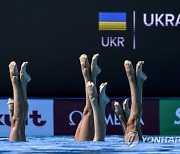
[(140, 78), (16, 133), (103, 98), (95, 69), (24, 79), (136, 107), (126, 108), (103, 101), (98, 118), (85, 69), (120, 114), (85, 129)]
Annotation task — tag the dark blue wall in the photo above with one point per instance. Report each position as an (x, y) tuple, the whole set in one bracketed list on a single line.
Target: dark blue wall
[(52, 34)]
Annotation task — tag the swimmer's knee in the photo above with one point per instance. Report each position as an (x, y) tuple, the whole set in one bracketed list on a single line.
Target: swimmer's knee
[(133, 119), (17, 121), (87, 110)]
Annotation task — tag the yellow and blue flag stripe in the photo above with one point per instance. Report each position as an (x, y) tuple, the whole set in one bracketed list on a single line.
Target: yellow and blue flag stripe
[(112, 21)]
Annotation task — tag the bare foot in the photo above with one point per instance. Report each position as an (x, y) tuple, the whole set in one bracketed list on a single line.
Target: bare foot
[(129, 68), (119, 113), (13, 70), (10, 104), (85, 67), (84, 61), (126, 108), (24, 76), (95, 69), (92, 92), (139, 74), (102, 94), (117, 108)]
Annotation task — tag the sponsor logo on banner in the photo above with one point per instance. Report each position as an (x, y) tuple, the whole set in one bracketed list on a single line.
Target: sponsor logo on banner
[(169, 117), (68, 113), (177, 122), (4, 118), (39, 119), (110, 119)]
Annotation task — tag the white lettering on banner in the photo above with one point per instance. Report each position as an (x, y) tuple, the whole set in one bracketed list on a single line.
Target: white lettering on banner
[(164, 20), (109, 119), (39, 120), (178, 115), (142, 122), (116, 121), (71, 123), (112, 41)]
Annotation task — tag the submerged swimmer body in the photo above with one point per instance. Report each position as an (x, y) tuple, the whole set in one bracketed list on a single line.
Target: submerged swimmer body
[(130, 118), (92, 126), (18, 106)]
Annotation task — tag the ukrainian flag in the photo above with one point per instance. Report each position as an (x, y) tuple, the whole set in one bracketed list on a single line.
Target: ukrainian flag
[(112, 21)]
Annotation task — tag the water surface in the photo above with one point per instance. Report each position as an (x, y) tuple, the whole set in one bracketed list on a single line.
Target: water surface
[(66, 144)]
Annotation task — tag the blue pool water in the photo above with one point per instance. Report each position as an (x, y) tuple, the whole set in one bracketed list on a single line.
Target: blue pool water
[(66, 144)]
